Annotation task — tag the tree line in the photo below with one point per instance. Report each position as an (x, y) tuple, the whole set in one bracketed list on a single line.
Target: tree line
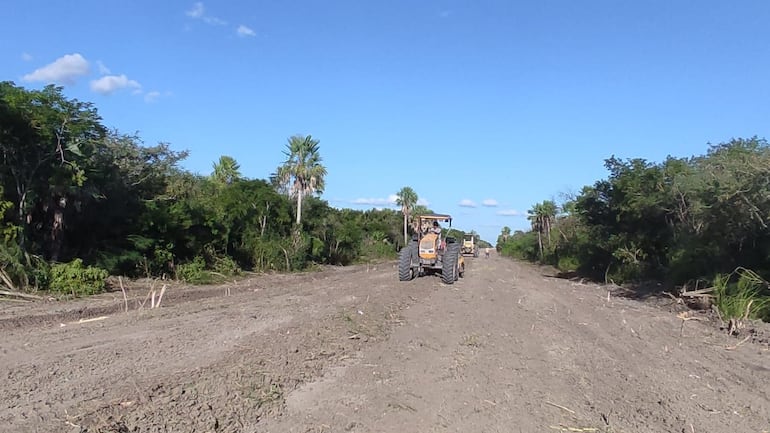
[(698, 221), (80, 201)]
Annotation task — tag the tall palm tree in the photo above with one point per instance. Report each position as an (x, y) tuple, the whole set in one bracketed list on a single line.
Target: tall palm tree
[(302, 173), (548, 210), (542, 216), (535, 217), (505, 233), (407, 199), (226, 170)]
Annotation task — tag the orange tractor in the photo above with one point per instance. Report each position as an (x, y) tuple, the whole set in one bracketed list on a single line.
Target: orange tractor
[(430, 253)]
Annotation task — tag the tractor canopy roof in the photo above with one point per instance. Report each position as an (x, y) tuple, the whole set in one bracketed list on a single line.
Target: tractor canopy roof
[(436, 217)]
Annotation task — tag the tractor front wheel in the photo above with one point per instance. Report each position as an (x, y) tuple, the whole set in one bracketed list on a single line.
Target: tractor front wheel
[(449, 271)]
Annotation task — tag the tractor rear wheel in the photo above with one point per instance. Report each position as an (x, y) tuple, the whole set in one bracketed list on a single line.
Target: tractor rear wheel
[(405, 269)]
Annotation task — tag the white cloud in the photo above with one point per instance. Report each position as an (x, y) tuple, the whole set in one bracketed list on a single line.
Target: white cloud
[(390, 201), (215, 21), (110, 83), (198, 12), (152, 96), (511, 212), (102, 69), (26, 57), (467, 203), (244, 31), (64, 70), (490, 202)]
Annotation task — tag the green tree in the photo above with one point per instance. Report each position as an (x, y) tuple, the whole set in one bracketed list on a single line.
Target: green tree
[(303, 172), (502, 238), (46, 141), (407, 199), (226, 170)]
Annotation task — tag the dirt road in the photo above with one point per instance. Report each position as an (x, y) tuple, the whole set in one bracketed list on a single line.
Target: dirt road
[(506, 349)]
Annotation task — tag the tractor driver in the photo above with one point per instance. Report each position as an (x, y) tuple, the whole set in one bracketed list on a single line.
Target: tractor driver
[(436, 229)]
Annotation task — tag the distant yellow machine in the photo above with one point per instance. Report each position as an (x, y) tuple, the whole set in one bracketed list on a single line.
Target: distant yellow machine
[(429, 252), (470, 247)]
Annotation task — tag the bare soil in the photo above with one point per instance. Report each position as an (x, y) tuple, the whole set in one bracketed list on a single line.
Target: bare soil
[(506, 349)]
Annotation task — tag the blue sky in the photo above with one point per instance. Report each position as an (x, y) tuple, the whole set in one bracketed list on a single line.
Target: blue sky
[(499, 102)]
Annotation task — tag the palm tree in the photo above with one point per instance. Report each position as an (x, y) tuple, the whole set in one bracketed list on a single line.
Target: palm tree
[(505, 233), (535, 217), (549, 210), (407, 199), (302, 173), (226, 170), (541, 216)]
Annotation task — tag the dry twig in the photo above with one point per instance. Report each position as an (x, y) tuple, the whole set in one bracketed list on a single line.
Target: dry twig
[(160, 297), (573, 429), (685, 316), (93, 319), (739, 343), (561, 407), (123, 289)]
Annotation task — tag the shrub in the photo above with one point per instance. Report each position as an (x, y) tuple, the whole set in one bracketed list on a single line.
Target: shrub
[(194, 272), (746, 298), (226, 266), (72, 278), (281, 255), (372, 251), (568, 263)]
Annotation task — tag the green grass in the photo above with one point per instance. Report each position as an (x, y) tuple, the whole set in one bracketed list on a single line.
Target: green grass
[(742, 295)]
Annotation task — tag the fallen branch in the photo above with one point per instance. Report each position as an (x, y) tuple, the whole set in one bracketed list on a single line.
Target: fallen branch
[(21, 295), (739, 343), (700, 293), (573, 429), (94, 319), (7, 279), (674, 298)]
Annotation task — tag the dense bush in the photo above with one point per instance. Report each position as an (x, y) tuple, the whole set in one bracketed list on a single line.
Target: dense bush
[(193, 272), (77, 280)]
